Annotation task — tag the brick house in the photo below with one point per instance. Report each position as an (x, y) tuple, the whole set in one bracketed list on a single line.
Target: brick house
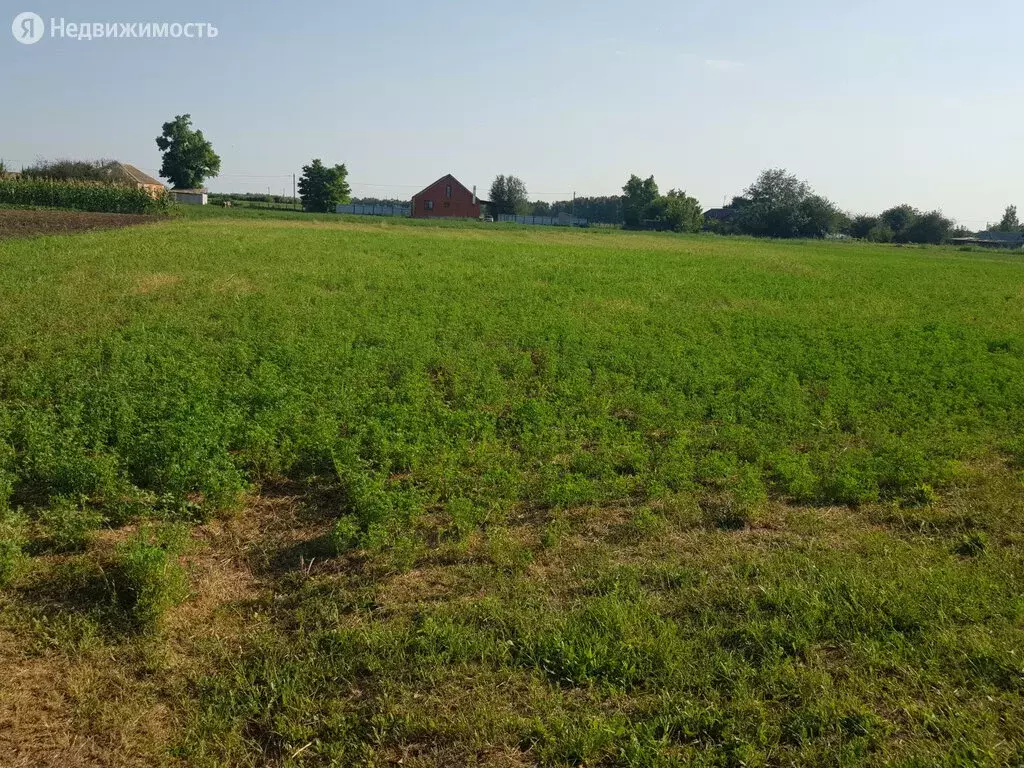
[(448, 198)]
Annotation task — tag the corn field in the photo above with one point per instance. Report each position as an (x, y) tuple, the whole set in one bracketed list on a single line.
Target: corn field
[(80, 196)]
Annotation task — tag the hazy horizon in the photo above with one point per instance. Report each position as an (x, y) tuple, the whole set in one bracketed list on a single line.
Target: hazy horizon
[(881, 104)]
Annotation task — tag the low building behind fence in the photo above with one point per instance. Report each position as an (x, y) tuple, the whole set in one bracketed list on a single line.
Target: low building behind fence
[(561, 220), (359, 209)]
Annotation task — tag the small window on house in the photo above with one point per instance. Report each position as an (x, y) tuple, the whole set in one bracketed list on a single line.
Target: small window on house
[(428, 205), (448, 191), (447, 204)]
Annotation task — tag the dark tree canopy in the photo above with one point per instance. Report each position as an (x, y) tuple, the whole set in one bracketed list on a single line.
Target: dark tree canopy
[(861, 226), (606, 209), (189, 158), (779, 204), (540, 208), (322, 188), (899, 218), (931, 227), (1009, 222), (637, 196), (508, 196), (906, 224)]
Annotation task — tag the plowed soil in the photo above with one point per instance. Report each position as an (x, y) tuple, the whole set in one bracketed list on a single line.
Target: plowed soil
[(25, 223)]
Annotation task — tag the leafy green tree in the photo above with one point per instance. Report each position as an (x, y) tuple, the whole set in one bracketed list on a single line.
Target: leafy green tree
[(508, 196), (679, 211), (818, 217), (842, 223), (1009, 222), (638, 195), (931, 227), (322, 188), (189, 158), (899, 219), (540, 208), (862, 225), (779, 204)]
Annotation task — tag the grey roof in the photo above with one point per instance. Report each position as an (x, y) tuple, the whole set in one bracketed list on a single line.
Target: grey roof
[(1002, 237)]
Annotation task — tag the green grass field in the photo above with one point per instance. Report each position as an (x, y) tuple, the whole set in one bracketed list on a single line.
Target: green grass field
[(285, 490)]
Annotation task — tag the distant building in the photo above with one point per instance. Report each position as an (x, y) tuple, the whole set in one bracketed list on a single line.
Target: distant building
[(446, 198), (189, 196), (122, 173), (719, 214), (992, 240)]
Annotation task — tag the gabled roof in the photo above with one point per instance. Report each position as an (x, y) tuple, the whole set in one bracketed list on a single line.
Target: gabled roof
[(132, 174), (448, 176)]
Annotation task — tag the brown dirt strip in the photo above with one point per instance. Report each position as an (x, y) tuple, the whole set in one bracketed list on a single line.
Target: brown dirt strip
[(26, 223)]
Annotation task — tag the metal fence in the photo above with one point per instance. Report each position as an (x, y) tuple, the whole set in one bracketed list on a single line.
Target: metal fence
[(562, 220), (375, 210)]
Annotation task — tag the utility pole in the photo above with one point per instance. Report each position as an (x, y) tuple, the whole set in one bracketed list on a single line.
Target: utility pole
[(572, 214), (293, 191)]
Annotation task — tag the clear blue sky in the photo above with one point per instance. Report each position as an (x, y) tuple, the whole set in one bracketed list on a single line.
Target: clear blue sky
[(872, 102)]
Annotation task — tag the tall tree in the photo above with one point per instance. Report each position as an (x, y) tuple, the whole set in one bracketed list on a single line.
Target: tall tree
[(1010, 222), (637, 196), (322, 188), (189, 158), (779, 204), (508, 196)]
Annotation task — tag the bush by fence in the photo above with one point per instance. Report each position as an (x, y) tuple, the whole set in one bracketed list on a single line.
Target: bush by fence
[(80, 196)]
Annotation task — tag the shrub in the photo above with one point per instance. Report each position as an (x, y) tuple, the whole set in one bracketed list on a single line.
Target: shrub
[(81, 196), (65, 169), (146, 576)]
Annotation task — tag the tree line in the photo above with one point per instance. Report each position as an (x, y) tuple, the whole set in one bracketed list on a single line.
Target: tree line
[(777, 204)]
